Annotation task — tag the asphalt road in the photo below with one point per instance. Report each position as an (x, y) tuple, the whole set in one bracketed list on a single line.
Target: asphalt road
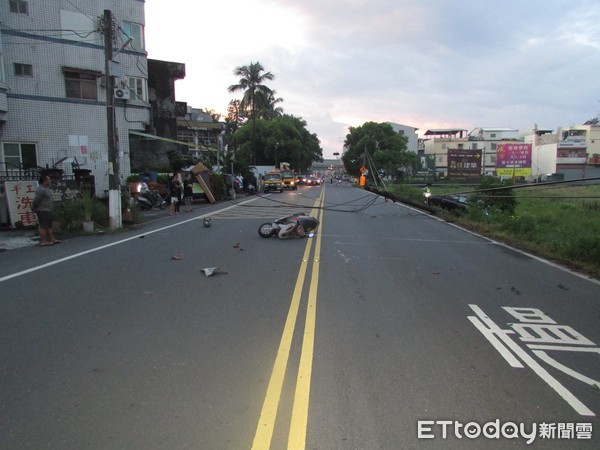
[(386, 330)]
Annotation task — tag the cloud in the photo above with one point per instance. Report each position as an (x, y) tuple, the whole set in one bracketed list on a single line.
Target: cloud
[(423, 63)]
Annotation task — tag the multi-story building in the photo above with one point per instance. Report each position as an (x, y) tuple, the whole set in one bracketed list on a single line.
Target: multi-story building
[(487, 140), (55, 100), (201, 131), (572, 152), (589, 132), (435, 147), (566, 152), (410, 133)]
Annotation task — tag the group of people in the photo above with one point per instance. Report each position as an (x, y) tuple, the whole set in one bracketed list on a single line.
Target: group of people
[(181, 193), (42, 204)]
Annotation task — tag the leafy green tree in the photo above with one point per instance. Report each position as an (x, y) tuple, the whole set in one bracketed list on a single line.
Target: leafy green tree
[(381, 144), (283, 138)]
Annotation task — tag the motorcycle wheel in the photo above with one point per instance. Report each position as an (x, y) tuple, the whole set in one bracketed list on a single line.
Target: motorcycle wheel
[(266, 230), (163, 205)]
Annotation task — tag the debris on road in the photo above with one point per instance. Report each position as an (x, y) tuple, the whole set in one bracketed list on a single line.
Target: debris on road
[(208, 271)]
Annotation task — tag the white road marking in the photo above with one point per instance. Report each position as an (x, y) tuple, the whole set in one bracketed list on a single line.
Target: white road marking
[(102, 247), (554, 363), (573, 401)]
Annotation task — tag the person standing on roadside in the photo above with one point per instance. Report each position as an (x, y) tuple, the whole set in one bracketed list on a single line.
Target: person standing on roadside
[(175, 190), (42, 206), (188, 192), (427, 193)]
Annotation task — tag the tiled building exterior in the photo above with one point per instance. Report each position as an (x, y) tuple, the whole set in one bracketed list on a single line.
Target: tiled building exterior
[(53, 96)]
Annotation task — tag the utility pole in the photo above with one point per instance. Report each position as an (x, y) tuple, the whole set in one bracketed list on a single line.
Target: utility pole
[(114, 184)]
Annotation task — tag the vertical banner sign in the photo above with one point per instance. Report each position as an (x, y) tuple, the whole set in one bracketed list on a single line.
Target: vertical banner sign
[(464, 163), (428, 163), (513, 160), (19, 195)]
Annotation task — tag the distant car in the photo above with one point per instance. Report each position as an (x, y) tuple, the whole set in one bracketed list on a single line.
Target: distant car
[(450, 202), (312, 181), (301, 179)]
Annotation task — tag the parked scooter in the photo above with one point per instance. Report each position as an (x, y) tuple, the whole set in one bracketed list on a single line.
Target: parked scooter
[(294, 226), (151, 199)]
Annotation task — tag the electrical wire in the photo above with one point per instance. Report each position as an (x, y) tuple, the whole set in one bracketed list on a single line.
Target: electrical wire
[(373, 200), (534, 186)]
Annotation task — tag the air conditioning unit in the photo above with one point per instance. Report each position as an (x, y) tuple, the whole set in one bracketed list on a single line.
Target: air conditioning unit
[(122, 93)]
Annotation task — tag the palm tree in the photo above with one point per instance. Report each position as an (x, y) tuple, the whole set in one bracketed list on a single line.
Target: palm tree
[(256, 94), (272, 110)]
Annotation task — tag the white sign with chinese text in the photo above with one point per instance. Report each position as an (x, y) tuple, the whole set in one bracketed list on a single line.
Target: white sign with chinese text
[(19, 196)]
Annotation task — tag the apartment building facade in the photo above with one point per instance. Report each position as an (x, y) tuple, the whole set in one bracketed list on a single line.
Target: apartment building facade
[(573, 152), (54, 96), (410, 133)]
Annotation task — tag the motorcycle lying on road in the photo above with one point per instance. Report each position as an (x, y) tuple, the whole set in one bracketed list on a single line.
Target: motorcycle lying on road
[(150, 200), (294, 226)]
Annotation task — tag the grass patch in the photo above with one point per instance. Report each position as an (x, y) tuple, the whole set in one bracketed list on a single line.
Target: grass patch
[(560, 223)]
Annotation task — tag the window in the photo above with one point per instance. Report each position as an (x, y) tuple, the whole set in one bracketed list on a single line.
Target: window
[(23, 70), (17, 156), (18, 6), (185, 135), (2, 74), (493, 135), (138, 89), (135, 31), (81, 85)]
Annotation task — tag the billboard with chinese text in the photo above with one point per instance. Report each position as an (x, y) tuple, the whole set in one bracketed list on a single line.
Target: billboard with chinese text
[(513, 160), (464, 163)]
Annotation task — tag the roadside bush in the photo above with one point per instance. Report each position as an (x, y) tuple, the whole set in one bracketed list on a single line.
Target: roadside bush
[(220, 188), (100, 214), (494, 199), (69, 215)]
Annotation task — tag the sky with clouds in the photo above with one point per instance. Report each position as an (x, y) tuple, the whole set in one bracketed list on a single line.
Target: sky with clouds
[(422, 63)]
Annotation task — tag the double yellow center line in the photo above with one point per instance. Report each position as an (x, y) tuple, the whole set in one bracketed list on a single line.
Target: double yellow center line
[(299, 420)]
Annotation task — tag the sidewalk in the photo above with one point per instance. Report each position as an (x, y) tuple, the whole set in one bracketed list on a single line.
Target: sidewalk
[(11, 239)]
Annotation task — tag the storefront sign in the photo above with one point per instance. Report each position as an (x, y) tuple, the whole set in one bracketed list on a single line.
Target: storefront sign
[(19, 196)]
